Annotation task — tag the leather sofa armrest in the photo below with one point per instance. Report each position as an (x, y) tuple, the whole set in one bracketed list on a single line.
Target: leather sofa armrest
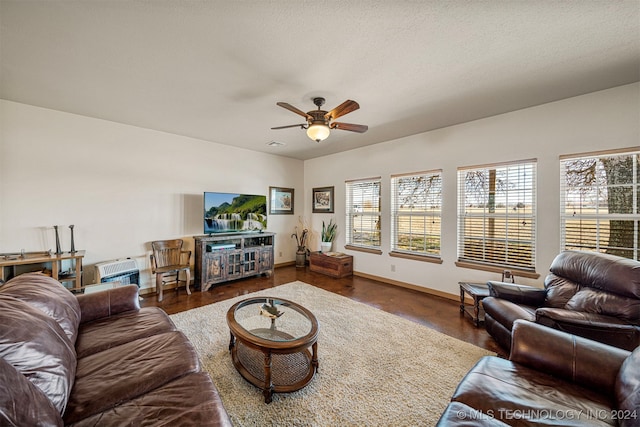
[(517, 294), (108, 302), (585, 362)]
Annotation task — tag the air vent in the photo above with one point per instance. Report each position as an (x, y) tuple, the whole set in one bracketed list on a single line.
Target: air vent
[(275, 144)]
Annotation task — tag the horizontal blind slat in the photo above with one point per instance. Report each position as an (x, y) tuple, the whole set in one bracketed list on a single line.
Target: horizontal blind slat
[(497, 214), (600, 194), (415, 212)]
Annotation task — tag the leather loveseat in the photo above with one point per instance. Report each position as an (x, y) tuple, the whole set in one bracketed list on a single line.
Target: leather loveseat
[(551, 378), (589, 294), (96, 359)]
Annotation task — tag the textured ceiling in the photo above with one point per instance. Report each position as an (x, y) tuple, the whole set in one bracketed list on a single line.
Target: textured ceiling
[(214, 70)]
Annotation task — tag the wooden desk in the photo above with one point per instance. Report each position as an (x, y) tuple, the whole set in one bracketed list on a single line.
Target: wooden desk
[(334, 266), (53, 261)]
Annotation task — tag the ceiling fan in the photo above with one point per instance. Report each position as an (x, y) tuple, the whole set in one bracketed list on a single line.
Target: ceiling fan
[(320, 122)]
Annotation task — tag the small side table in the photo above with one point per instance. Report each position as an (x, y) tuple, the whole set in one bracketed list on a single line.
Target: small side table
[(477, 291)]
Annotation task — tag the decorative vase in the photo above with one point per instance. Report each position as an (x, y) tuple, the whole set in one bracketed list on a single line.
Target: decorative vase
[(301, 259), (58, 249), (325, 246), (73, 244)]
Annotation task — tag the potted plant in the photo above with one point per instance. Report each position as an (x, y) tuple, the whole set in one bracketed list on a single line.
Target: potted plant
[(328, 235)]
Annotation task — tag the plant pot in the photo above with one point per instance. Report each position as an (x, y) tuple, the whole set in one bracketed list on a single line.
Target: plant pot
[(325, 246)]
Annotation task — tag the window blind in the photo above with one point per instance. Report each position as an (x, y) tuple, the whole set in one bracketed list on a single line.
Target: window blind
[(416, 206), (496, 214), (599, 195), (363, 213)]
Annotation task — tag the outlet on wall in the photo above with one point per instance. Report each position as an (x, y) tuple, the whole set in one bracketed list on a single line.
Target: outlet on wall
[(280, 254), (393, 267)]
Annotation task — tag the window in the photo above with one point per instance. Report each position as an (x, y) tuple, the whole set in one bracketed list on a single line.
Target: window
[(496, 215), (416, 213), (600, 194), (363, 213)]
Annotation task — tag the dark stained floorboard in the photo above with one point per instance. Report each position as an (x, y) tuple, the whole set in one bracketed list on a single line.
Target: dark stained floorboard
[(435, 312)]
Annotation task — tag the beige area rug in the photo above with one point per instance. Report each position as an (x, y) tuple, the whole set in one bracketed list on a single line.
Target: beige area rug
[(376, 369)]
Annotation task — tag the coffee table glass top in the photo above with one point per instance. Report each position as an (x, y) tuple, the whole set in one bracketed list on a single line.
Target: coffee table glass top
[(274, 319)]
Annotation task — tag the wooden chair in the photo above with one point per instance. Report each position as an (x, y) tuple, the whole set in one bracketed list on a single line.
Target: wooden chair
[(167, 261)]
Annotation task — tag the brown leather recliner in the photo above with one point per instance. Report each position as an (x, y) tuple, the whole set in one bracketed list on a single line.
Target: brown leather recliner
[(551, 378), (589, 294)]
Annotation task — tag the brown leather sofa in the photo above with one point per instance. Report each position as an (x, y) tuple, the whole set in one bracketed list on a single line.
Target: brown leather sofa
[(589, 294), (551, 378), (96, 359)]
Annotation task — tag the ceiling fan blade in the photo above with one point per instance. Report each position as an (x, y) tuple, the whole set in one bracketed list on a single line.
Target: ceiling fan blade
[(349, 126), (291, 126), (294, 110), (345, 108)]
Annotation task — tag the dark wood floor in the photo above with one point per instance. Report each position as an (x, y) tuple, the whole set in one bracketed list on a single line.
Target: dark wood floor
[(435, 312)]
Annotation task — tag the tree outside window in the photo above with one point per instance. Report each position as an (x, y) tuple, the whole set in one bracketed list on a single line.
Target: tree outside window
[(599, 201), (416, 213)]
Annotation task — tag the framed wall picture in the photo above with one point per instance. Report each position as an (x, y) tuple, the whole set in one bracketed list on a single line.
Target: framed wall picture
[(280, 201), (322, 200)]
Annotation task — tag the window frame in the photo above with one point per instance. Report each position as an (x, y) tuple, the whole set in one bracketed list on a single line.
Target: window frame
[(352, 213), (516, 197), (423, 214), (598, 223)]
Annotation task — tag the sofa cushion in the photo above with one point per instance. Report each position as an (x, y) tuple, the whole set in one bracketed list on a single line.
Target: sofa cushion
[(591, 300), (97, 305), (601, 271), (191, 400), (106, 379), (505, 312), (37, 347), (628, 390), (506, 391), (605, 329), (22, 403), (115, 330), (48, 295), (559, 290)]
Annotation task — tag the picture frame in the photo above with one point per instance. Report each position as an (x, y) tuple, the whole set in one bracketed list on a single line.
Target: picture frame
[(281, 201), (322, 200)]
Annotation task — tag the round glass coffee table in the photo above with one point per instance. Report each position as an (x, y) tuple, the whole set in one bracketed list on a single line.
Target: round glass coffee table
[(270, 342)]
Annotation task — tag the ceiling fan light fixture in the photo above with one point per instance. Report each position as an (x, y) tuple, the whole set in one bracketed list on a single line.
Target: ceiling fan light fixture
[(320, 122), (318, 132)]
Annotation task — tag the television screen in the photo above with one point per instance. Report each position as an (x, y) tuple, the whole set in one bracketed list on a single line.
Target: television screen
[(226, 212)]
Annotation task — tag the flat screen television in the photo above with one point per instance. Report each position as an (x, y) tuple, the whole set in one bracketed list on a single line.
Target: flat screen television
[(230, 212)]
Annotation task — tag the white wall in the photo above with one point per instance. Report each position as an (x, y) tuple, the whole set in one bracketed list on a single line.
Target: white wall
[(599, 121), (121, 186), (114, 182)]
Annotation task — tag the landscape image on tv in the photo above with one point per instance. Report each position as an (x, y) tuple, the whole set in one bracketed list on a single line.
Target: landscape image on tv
[(226, 212)]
